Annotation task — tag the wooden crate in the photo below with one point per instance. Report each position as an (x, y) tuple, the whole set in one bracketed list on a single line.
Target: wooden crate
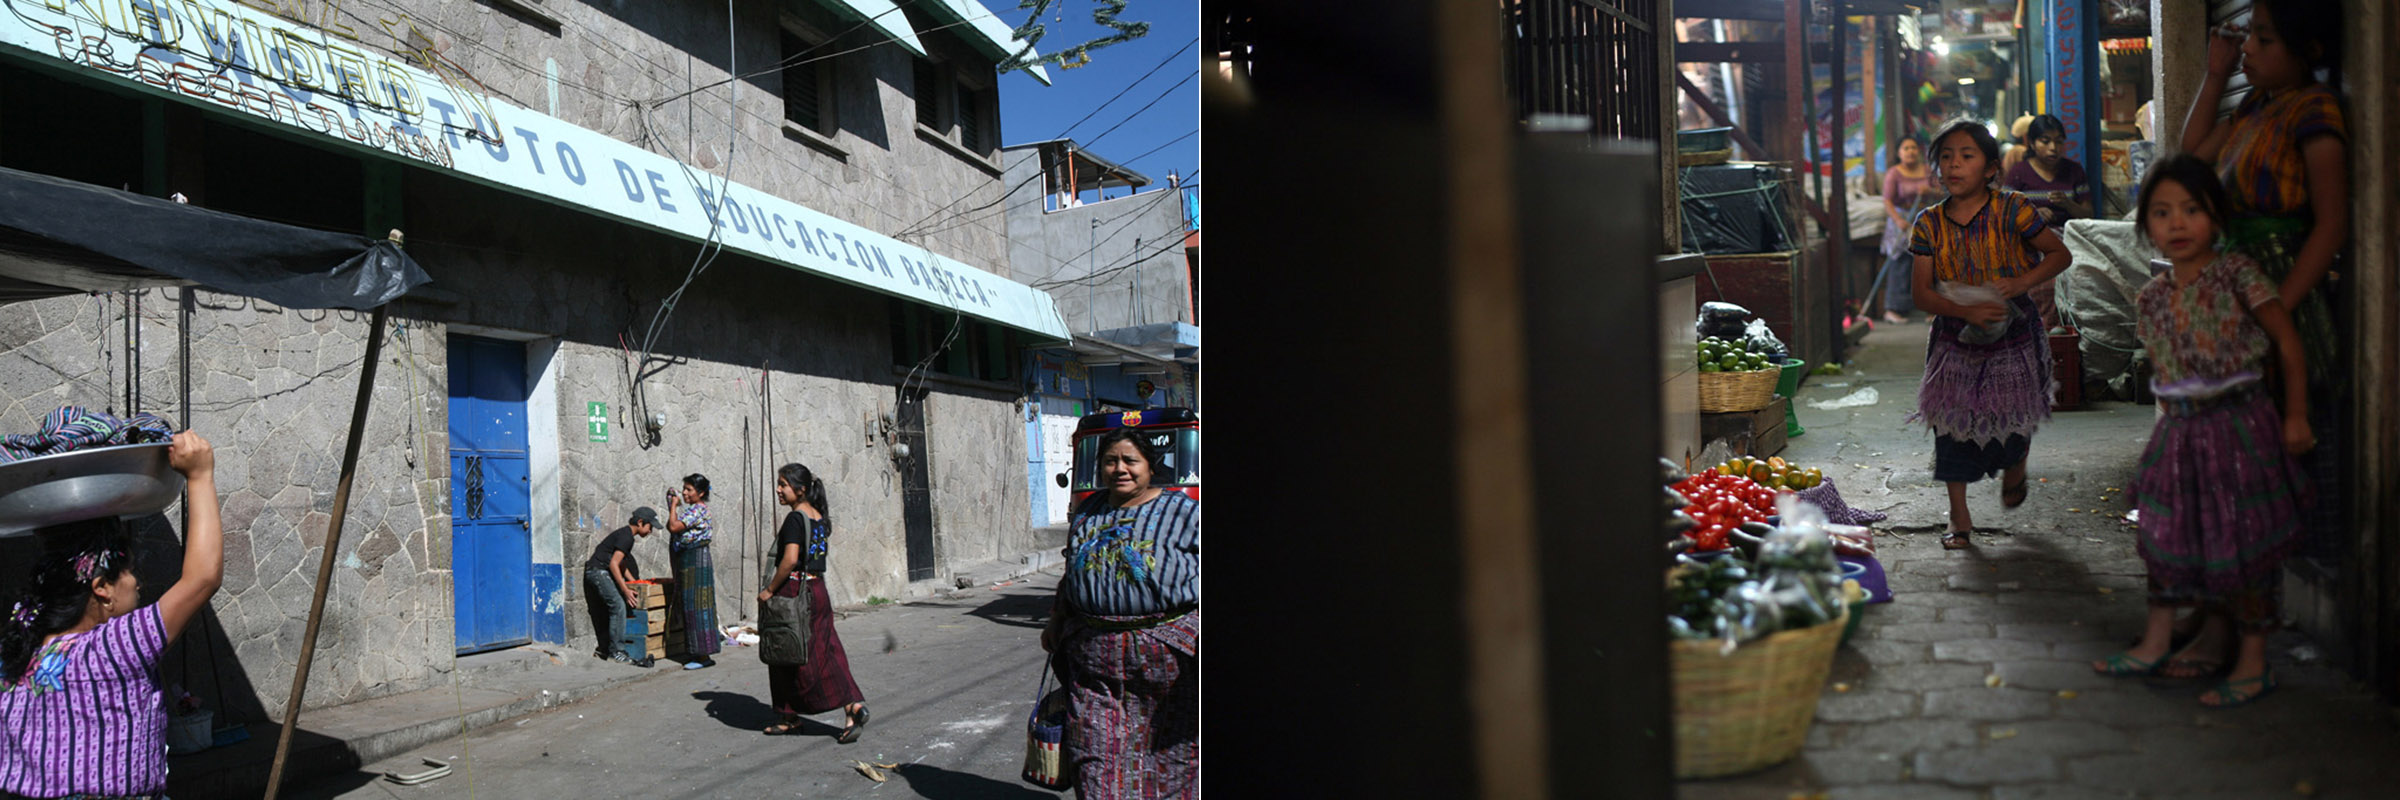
[(657, 619), (648, 595), (2066, 354), (1759, 433), (1778, 288), (656, 645)]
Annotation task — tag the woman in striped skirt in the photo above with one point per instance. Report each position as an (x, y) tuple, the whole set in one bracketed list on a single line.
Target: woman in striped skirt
[(1125, 632), (695, 572), (2282, 158)]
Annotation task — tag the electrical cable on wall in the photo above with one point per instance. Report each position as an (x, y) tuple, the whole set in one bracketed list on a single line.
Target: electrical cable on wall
[(715, 245)]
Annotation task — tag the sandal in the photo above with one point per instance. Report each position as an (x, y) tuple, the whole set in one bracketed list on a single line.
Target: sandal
[(2124, 665), (1956, 540), (2188, 668), (858, 722), (2012, 495), (2186, 665), (783, 728), (2230, 697)]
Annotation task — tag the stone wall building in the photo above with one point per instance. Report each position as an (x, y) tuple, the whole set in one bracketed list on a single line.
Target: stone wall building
[(559, 168), (1124, 266)]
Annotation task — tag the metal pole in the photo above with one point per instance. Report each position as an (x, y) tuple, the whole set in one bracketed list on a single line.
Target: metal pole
[(1091, 269), (333, 546)]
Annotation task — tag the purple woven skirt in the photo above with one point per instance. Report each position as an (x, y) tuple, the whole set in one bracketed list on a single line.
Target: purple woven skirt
[(2220, 500), (1985, 400)]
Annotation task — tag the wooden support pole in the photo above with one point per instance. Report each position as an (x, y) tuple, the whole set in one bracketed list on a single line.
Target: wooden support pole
[(1837, 238), (333, 547), (1717, 115)]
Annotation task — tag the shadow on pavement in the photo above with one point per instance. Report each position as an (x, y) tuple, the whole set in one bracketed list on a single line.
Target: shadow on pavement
[(935, 783), (739, 711), (1019, 610), (332, 787)]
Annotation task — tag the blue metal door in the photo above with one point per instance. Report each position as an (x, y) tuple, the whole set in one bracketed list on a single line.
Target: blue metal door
[(491, 534)]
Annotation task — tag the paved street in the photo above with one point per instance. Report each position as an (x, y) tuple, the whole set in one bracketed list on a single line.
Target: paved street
[(1911, 712), (949, 682)]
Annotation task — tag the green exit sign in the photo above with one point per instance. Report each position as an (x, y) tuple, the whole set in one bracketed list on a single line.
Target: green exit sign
[(597, 415)]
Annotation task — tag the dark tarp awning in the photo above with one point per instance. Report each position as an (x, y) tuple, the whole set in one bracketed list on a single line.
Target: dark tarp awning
[(60, 237)]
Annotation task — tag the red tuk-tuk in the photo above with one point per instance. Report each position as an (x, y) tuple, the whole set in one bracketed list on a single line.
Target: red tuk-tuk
[(1173, 432)]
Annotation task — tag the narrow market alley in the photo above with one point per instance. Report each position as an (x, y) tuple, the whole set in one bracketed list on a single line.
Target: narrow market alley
[(1973, 681)]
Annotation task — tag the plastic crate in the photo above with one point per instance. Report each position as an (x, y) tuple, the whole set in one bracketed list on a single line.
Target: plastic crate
[(1702, 140)]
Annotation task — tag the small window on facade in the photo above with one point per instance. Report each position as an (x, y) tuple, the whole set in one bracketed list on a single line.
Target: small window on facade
[(929, 95), (807, 86), (971, 115)]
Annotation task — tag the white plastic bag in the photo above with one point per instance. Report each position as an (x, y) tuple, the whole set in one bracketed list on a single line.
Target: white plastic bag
[(1966, 294)]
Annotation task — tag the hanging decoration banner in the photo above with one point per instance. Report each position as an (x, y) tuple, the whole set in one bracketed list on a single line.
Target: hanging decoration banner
[(319, 74)]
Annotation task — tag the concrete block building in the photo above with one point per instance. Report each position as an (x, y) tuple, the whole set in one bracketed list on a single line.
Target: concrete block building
[(1124, 266)]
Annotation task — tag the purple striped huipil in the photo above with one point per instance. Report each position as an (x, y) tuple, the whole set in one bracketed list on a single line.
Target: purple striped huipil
[(96, 727)]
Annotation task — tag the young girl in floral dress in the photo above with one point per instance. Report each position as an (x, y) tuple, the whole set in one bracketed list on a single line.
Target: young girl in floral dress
[(2219, 492), (1982, 395)]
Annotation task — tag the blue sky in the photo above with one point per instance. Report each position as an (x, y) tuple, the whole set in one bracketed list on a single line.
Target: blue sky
[(1031, 112)]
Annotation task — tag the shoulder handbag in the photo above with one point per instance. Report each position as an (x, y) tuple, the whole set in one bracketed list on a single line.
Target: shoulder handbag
[(783, 629), (1045, 737)]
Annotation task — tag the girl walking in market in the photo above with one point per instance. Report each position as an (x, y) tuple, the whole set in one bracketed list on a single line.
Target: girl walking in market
[(1987, 363), (824, 683), (695, 573), (2282, 159), (2219, 492), (81, 711)]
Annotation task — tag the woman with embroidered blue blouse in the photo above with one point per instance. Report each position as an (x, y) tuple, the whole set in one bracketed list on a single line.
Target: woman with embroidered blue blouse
[(1124, 634), (824, 683)]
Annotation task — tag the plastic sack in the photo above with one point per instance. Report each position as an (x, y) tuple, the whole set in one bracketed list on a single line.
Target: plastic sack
[(1973, 295), (1852, 540), (1758, 338), (1722, 320), (1798, 574)]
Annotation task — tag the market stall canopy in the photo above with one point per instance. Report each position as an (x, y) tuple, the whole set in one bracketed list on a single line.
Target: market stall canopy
[(61, 237)]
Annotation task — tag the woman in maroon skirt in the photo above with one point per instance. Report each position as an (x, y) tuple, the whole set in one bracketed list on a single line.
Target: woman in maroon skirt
[(823, 684)]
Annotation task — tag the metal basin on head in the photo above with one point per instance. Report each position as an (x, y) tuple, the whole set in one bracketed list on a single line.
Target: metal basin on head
[(121, 481)]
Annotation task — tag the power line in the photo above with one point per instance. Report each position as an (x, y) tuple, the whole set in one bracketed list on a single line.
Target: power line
[(1128, 87), (1112, 269), (1021, 184), (1062, 134)]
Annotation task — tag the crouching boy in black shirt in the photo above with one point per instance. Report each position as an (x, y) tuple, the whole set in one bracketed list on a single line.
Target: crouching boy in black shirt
[(606, 575)]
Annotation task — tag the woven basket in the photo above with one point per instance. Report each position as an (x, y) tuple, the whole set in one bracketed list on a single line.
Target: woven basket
[(1723, 392), (1045, 740), (1741, 712)]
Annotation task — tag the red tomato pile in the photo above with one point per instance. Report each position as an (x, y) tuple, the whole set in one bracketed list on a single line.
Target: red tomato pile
[(1721, 503)]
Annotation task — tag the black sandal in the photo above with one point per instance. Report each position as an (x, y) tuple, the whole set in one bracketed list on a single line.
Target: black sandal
[(783, 728), (2012, 495), (858, 722)]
